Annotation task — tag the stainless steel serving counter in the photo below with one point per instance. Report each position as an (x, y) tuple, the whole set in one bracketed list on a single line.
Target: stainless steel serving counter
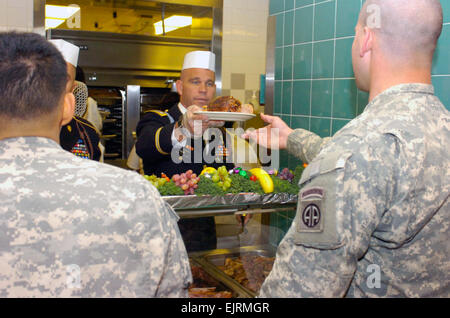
[(213, 261), (191, 206)]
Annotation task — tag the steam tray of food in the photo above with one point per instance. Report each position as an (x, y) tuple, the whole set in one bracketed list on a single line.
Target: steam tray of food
[(206, 286), (247, 266)]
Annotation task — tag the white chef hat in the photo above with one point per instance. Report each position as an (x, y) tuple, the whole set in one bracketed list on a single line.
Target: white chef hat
[(200, 59), (68, 50)]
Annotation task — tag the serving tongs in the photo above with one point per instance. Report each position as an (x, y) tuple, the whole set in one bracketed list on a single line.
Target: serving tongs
[(243, 228)]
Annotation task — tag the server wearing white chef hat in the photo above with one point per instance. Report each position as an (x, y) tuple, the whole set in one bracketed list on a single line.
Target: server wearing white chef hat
[(79, 136), (158, 136), (166, 149), (70, 52), (196, 88)]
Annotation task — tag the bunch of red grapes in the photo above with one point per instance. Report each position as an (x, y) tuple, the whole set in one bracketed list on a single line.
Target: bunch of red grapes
[(286, 174), (187, 181)]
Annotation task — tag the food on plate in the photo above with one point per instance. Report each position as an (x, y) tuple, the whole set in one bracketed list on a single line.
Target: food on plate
[(225, 104), (247, 108), (248, 270)]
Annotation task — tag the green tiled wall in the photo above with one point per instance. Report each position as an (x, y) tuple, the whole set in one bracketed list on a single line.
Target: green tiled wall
[(314, 82)]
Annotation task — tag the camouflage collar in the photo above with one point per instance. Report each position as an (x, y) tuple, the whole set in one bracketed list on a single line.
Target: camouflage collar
[(394, 91), (27, 143)]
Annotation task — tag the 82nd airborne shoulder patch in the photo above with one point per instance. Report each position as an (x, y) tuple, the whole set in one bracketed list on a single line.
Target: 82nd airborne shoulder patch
[(311, 210)]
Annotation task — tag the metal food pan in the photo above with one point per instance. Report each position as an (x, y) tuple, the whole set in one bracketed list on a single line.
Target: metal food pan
[(216, 282), (219, 259), (211, 260)]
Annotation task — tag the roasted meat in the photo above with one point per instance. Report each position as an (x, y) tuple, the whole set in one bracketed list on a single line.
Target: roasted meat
[(225, 104), (201, 278), (209, 292), (205, 286), (248, 270)]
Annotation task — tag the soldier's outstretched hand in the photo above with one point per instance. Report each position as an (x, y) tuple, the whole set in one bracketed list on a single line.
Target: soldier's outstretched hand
[(272, 136)]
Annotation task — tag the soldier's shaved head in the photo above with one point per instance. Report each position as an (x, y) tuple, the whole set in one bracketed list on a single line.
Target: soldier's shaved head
[(395, 42), (404, 26)]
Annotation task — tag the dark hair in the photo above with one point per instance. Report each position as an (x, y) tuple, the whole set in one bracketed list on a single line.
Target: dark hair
[(80, 77), (33, 76)]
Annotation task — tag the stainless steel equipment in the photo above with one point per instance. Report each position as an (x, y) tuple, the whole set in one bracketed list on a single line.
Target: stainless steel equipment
[(203, 278), (270, 65), (117, 60), (141, 69), (121, 110), (213, 261), (192, 206)]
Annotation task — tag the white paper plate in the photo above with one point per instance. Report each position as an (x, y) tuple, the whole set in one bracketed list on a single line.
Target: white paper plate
[(226, 116)]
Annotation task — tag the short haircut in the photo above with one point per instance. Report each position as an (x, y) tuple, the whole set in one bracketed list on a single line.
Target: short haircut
[(33, 76), (405, 25)]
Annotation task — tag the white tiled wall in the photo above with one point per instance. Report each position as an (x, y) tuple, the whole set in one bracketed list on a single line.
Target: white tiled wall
[(16, 15), (244, 44)]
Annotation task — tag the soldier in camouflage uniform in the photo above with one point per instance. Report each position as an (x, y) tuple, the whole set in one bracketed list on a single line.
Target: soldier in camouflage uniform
[(373, 212), (72, 227)]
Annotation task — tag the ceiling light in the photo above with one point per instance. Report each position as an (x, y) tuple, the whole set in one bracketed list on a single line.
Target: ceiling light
[(53, 23), (172, 23), (60, 12), (57, 15)]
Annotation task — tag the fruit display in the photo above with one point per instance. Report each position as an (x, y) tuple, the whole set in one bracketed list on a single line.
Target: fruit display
[(218, 182), (164, 185), (157, 182), (219, 176), (208, 187), (241, 184), (286, 174), (186, 181), (283, 185), (264, 178)]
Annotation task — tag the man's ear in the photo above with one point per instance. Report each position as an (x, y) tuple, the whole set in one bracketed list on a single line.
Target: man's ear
[(367, 42), (179, 85), (68, 108)]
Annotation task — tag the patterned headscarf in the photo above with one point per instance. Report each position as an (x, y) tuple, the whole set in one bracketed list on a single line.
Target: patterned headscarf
[(81, 96)]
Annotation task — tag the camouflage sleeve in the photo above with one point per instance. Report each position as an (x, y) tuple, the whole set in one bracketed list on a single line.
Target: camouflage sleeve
[(177, 275), (305, 145), (165, 253), (341, 203)]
